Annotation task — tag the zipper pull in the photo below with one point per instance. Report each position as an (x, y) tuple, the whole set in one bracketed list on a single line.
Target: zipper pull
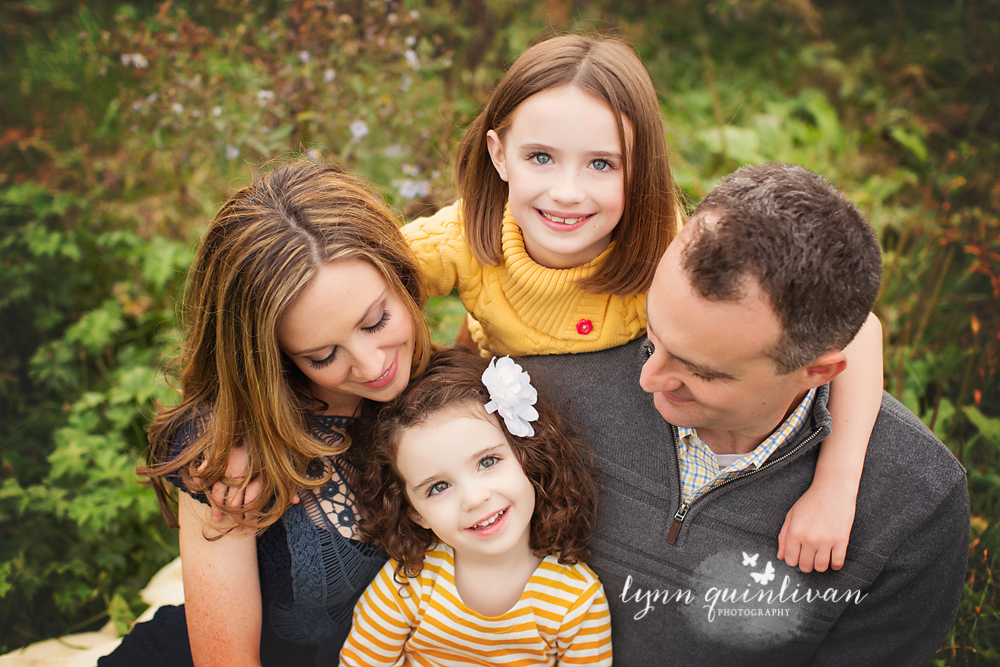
[(675, 527)]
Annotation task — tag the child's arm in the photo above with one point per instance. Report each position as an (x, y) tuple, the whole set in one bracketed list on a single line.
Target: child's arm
[(818, 527), (439, 247), (585, 633), (383, 621)]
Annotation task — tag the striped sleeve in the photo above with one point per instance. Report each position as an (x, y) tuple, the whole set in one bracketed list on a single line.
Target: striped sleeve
[(585, 634), (383, 620)]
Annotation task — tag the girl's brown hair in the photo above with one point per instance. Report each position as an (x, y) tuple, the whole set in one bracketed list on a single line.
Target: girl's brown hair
[(609, 70), (557, 464), (237, 387)]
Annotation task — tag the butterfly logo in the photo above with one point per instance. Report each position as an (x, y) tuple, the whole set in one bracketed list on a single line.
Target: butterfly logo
[(764, 577), (750, 560)]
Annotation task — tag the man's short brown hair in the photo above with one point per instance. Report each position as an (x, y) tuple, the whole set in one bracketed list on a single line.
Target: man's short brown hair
[(808, 246)]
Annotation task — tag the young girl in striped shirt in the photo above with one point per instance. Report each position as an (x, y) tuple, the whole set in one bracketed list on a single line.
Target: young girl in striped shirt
[(486, 521)]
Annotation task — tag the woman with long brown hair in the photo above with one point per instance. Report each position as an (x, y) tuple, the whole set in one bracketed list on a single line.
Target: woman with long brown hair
[(303, 302)]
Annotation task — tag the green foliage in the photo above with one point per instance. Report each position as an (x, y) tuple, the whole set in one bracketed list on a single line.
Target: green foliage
[(444, 315), (79, 381), (125, 126)]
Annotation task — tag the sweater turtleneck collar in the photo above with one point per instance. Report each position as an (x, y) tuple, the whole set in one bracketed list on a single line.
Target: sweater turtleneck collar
[(518, 261)]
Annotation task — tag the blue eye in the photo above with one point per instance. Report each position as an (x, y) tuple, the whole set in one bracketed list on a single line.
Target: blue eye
[(437, 488), (488, 462), (540, 158), (601, 165)]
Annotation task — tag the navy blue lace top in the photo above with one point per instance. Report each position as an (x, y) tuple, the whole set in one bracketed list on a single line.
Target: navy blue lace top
[(312, 567)]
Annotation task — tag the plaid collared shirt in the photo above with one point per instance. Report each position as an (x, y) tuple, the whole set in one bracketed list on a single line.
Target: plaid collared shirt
[(699, 469)]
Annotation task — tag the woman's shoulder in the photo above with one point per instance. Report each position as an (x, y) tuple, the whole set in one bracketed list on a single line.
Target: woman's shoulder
[(184, 428), (187, 428)]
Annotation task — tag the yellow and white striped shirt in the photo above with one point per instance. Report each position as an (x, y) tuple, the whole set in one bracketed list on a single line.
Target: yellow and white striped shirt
[(562, 617)]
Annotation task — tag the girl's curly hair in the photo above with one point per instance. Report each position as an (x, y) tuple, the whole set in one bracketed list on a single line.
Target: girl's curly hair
[(557, 463)]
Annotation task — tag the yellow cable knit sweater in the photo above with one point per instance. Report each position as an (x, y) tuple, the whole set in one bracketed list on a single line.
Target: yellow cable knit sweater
[(521, 308)]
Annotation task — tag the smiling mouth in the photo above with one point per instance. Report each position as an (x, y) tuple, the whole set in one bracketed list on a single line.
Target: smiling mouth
[(385, 378), (674, 398), (490, 521), (564, 221)]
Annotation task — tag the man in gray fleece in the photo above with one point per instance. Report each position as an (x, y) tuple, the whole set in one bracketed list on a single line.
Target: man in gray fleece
[(770, 279)]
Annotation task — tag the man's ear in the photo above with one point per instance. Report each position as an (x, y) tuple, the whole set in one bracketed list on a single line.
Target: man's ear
[(825, 367), (495, 148), (419, 520)]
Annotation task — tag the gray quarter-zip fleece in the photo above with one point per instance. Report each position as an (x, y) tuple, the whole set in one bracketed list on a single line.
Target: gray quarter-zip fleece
[(702, 585)]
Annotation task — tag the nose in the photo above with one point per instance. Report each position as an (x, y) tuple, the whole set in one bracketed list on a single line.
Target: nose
[(369, 362), (658, 375), (567, 188), (474, 496)]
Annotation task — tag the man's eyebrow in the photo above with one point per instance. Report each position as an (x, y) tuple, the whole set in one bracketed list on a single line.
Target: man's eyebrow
[(702, 370), (379, 300), (696, 368)]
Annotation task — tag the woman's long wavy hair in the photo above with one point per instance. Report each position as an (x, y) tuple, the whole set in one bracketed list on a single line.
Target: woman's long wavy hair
[(608, 69), (237, 387), (558, 465)]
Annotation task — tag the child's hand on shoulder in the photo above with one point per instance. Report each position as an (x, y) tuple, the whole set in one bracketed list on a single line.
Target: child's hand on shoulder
[(817, 529)]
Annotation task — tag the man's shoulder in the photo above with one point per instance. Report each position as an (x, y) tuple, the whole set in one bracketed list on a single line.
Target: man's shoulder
[(909, 475), (599, 395), (585, 380), (901, 441), (620, 362)]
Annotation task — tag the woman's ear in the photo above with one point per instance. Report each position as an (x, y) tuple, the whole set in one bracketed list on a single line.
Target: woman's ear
[(419, 520), (495, 148)]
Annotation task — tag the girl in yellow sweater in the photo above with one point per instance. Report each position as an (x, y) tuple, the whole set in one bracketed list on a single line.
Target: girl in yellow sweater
[(567, 206), (485, 504)]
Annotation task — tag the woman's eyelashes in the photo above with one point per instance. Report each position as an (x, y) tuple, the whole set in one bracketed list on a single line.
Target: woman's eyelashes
[(378, 326), (540, 158), (375, 328), (325, 361)]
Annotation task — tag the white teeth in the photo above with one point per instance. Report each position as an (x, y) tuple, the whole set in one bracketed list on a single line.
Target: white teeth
[(565, 221), (491, 520)]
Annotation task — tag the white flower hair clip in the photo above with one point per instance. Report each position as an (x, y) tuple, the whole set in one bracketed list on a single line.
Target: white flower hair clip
[(512, 395)]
